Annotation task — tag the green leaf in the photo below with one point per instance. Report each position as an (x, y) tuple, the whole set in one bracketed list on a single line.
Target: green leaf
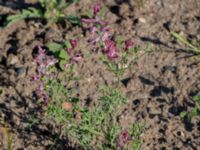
[(89, 14), (74, 19), (62, 63), (86, 53), (183, 114), (63, 54), (197, 98), (26, 13), (74, 99), (13, 18), (54, 47), (102, 13), (119, 40), (67, 44), (33, 12), (183, 40), (195, 111)]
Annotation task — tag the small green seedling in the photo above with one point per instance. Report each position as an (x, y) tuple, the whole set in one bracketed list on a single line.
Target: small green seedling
[(191, 47), (195, 111), (52, 11)]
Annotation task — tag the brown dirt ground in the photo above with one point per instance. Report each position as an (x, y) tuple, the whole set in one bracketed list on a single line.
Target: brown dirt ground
[(159, 87)]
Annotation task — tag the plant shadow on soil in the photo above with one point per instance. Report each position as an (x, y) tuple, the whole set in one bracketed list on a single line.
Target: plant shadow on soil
[(41, 131), (17, 5)]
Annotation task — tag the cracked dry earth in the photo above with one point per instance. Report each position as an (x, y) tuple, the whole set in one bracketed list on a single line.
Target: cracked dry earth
[(159, 87)]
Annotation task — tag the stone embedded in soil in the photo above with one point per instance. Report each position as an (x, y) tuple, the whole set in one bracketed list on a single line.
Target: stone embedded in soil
[(142, 20), (12, 60), (20, 71)]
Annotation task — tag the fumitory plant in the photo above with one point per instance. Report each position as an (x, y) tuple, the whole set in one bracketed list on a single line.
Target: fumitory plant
[(92, 124), (43, 64), (52, 11), (116, 50)]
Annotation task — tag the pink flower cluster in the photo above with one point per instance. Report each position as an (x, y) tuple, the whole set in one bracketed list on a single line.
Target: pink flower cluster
[(97, 26), (43, 62), (100, 34), (124, 139), (41, 93), (74, 54)]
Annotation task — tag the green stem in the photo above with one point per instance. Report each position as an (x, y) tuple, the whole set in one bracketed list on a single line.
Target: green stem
[(93, 131), (184, 41)]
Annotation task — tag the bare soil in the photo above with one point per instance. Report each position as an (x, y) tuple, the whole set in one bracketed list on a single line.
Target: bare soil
[(159, 87)]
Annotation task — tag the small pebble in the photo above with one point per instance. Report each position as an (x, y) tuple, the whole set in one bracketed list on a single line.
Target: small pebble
[(12, 60), (142, 20)]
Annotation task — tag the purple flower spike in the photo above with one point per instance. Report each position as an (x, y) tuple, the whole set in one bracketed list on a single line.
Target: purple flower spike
[(111, 49), (46, 98), (105, 36), (94, 30), (43, 62), (96, 9), (124, 138), (128, 44), (40, 50), (73, 43)]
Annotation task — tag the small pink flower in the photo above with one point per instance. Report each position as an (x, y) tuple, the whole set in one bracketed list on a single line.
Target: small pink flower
[(105, 29), (94, 30), (105, 36), (111, 49), (74, 54), (35, 77), (124, 138), (128, 45), (77, 57), (96, 9), (73, 43), (109, 43), (40, 50)]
